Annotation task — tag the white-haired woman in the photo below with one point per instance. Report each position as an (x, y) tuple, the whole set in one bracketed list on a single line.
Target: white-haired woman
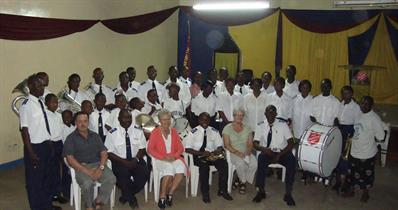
[(238, 139), (165, 147)]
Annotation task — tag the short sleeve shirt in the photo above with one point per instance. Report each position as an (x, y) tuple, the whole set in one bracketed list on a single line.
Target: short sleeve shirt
[(84, 150)]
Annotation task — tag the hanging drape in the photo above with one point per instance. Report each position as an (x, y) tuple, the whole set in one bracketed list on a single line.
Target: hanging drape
[(15, 27)]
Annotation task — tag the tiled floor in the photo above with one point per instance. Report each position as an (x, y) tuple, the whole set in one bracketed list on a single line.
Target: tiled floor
[(384, 196)]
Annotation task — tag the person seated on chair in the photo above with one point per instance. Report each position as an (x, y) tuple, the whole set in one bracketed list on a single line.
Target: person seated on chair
[(238, 139), (202, 142), (126, 148), (165, 147), (151, 104), (274, 141), (368, 128), (86, 153)]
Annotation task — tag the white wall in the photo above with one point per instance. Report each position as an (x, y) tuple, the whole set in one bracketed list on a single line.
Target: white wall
[(80, 52)]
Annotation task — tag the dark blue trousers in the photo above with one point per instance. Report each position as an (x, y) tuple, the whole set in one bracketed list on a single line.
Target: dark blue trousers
[(346, 131), (37, 178), (288, 160), (55, 168)]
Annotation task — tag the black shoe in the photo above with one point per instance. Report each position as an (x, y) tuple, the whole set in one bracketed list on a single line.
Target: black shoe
[(122, 200), (259, 197), (162, 203), (133, 203), (206, 199), (289, 200), (169, 200), (225, 195), (60, 199)]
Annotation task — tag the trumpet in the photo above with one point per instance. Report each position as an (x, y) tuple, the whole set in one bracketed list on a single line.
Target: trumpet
[(65, 97), (22, 87), (347, 148)]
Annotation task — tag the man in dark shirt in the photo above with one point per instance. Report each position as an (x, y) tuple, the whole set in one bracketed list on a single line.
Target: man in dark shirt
[(86, 153)]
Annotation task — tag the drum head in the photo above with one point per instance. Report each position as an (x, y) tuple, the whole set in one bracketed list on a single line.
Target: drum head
[(331, 152)]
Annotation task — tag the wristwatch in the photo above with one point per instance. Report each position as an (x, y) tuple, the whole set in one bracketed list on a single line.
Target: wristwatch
[(102, 167)]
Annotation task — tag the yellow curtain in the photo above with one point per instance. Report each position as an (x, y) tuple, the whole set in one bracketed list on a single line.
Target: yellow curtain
[(384, 83), (229, 60), (257, 42), (317, 56)]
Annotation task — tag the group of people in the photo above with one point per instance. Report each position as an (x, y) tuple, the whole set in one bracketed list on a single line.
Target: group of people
[(257, 123)]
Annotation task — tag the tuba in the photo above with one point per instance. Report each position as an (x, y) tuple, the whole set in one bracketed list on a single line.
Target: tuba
[(22, 87), (67, 100)]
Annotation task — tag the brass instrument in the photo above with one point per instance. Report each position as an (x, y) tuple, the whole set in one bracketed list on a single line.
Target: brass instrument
[(22, 87), (347, 148), (146, 122), (215, 156), (65, 98)]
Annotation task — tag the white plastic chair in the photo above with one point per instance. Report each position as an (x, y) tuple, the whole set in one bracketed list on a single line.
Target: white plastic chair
[(75, 191), (384, 144), (277, 165), (231, 169), (156, 177), (195, 176)]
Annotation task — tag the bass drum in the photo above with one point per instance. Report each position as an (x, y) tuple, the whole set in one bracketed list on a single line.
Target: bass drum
[(320, 149)]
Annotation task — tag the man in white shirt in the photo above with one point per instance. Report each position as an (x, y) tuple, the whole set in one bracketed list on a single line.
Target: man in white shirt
[(274, 141), (220, 85), (151, 103), (201, 142), (291, 84), (184, 93), (349, 111), (368, 129), (325, 107), (267, 86), (45, 79), (240, 86), (227, 102), (151, 83), (99, 116), (126, 149), (132, 73), (135, 106), (302, 107), (124, 88), (99, 87), (36, 135), (204, 102), (112, 121), (185, 77), (254, 104), (282, 101), (74, 93)]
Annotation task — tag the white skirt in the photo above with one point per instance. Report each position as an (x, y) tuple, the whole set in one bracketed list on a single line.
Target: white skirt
[(170, 168)]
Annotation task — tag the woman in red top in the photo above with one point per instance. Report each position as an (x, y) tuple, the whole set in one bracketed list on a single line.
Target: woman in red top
[(166, 148)]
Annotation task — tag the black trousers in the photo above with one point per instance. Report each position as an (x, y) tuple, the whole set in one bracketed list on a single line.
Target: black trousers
[(55, 168), (288, 160), (343, 166), (37, 178), (130, 182), (204, 168)]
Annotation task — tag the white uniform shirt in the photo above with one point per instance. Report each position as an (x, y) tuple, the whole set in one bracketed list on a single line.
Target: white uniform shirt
[(66, 131), (113, 119), (291, 89), (349, 112), (106, 90), (194, 139), (130, 93), (115, 141), (147, 85), (280, 134), (176, 108), (134, 85), (148, 107), (270, 89), (283, 105), (56, 125), (31, 116), (219, 88), (302, 108), (202, 104), (184, 93), (368, 126), (254, 109), (325, 109), (93, 120), (245, 89), (187, 81), (134, 114), (228, 103)]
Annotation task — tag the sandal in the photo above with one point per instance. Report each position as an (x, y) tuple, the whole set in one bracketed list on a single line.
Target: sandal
[(242, 189)]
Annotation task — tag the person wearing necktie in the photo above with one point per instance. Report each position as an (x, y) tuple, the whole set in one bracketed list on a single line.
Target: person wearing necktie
[(151, 83), (202, 142), (274, 142), (36, 135), (126, 148), (99, 116)]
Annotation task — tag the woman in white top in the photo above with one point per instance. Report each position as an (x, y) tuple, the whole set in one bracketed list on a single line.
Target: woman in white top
[(302, 106)]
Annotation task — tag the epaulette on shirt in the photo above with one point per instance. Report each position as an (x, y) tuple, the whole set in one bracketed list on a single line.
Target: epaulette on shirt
[(25, 101), (142, 83), (137, 127), (110, 88), (214, 129), (112, 130), (194, 130), (260, 123)]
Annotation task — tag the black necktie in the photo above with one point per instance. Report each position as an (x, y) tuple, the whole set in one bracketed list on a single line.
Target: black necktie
[(204, 144), (100, 127), (45, 116), (154, 87), (269, 137), (128, 147), (100, 89), (240, 90)]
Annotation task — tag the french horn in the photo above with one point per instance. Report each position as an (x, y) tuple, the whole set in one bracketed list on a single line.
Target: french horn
[(22, 87), (67, 100)]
